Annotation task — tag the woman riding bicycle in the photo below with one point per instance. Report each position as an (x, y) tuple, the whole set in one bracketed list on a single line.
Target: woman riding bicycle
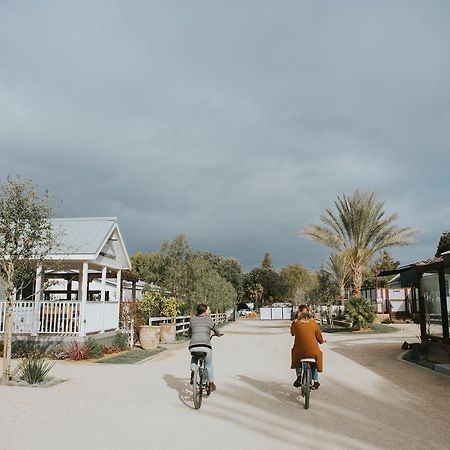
[(200, 329), (307, 336)]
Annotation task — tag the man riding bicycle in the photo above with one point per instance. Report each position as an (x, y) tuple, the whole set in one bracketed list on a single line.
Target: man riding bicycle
[(200, 329)]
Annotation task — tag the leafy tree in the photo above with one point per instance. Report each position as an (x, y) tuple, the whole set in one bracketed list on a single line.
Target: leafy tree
[(149, 266), (207, 286), (176, 266), (255, 293), (359, 311), (359, 229), (444, 243), (325, 292), (269, 280), (384, 262), (191, 276), (228, 268), (296, 281), (267, 262), (26, 238)]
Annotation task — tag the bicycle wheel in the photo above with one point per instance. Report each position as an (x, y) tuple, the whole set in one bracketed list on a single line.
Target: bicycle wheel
[(197, 388), (307, 380)]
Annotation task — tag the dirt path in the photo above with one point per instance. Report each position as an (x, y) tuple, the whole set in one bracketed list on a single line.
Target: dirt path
[(368, 399)]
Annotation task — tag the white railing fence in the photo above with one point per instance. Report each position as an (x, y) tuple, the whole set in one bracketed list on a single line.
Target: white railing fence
[(51, 317), (182, 322), (59, 317)]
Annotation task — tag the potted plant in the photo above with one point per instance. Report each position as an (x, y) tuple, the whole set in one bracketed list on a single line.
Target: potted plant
[(149, 307)]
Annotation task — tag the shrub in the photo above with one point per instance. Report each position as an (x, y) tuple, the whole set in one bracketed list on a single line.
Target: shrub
[(108, 350), (169, 307), (120, 340), (77, 351), (94, 349), (34, 369), (24, 349), (154, 304), (57, 352), (360, 312)]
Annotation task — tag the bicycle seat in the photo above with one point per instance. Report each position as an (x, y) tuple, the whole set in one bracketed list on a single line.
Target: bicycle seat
[(312, 360), (199, 354)]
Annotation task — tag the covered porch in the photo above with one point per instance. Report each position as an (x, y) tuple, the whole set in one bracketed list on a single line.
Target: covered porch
[(431, 279), (63, 303)]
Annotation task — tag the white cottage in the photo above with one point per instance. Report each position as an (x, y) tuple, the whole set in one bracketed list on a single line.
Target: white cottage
[(80, 298)]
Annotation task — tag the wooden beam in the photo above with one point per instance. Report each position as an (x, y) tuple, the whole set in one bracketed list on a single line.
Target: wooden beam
[(422, 317), (444, 309)]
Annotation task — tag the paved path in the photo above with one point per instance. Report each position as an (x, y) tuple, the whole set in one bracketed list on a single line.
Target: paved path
[(368, 399)]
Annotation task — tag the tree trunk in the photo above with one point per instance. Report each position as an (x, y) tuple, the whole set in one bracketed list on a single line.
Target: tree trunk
[(7, 331), (342, 294), (357, 281)]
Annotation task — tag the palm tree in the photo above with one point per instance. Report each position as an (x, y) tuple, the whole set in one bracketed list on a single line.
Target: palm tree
[(358, 229), (339, 269)]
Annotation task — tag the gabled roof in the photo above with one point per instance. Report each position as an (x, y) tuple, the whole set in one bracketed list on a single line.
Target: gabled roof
[(90, 238), (82, 235)]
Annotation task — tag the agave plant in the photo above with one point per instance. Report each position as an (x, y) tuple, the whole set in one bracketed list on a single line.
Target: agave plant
[(359, 311), (34, 369)]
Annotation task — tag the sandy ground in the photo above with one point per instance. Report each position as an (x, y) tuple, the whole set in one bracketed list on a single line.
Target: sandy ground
[(368, 399)]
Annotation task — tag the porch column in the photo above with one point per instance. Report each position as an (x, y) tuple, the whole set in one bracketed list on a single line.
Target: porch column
[(118, 294), (444, 310), (102, 298), (37, 301), (69, 288), (83, 281), (422, 312), (119, 285)]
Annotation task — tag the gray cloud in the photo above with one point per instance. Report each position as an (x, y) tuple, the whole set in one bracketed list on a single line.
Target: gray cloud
[(234, 123)]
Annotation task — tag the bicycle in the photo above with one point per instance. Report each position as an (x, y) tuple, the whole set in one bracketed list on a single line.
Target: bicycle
[(306, 384), (200, 384)]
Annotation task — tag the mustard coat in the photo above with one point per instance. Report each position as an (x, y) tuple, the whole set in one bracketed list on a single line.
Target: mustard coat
[(307, 336)]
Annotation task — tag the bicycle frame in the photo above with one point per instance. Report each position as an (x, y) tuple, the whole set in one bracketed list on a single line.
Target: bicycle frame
[(306, 379), (200, 383)]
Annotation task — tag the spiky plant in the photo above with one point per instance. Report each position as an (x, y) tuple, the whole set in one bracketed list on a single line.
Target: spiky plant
[(77, 351), (358, 229), (359, 311), (34, 369)]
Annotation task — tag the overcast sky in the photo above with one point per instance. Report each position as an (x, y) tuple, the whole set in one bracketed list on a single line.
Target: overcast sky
[(234, 122)]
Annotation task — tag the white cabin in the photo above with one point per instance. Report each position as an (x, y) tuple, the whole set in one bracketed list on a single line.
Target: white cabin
[(80, 296)]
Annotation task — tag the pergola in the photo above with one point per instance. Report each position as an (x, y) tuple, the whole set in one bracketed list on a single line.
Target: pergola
[(431, 278)]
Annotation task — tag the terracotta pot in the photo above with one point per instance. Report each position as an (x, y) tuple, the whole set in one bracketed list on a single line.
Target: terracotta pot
[(149, 337), (168, 333)]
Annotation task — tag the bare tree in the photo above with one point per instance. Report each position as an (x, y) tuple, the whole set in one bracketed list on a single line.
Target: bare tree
[(26, 238)]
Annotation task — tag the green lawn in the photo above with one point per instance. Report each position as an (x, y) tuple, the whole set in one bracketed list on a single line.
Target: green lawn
[(130, 357)]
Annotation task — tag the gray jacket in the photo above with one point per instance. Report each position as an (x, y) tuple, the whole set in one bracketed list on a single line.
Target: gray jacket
[(200, 329)]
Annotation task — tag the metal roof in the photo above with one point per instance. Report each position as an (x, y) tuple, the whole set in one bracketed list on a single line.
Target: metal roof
[(82, 236), (430, 263)]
